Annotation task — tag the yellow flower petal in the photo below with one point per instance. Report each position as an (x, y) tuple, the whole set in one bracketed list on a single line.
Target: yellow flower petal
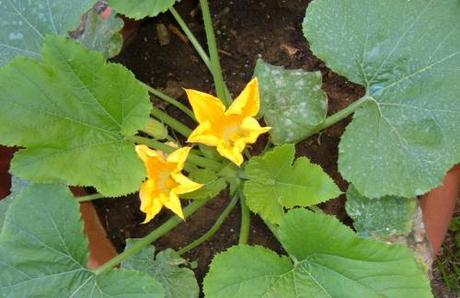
[(179, 157), (231, 153), (145, 152), (150, 204), (174, 205), (247, 104), (251, 130), (202, 135), (205, 106), (185, 184)]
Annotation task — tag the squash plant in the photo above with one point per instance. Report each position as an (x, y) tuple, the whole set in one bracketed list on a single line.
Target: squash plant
[(83, 121)]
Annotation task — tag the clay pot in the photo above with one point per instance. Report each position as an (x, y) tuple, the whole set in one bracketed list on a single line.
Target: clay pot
[(438, 208)]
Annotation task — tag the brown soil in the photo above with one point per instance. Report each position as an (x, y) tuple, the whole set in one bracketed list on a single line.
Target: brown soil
[(247, 29)]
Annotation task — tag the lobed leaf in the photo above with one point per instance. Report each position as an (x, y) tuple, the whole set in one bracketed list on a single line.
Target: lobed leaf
[(406, 54), (73, 113), (328, 260), (25, 24), (43, 252), (292, 101), (380, 217), (276, 182), (139, 9), (101, 33), (167, 268)]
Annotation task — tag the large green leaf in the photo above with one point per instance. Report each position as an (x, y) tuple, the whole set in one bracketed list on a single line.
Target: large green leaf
[(101, 33), (167, 268), (292, 101), (407, 56), (17, 185), (380, 217), (328, 260), (43, 252), (139, 9), (73, 112), (24, 24), (276, 182)]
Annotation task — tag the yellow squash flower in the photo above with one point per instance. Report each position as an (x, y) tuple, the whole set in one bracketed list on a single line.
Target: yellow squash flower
[(165, 182), (229, 130)]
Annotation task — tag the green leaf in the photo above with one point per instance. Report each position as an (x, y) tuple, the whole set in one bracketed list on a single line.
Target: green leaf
[(101, 34), (380, 217), (276, 182), (139, 9), (24, 24), (328, 260), (73, 113), (167, 268), (292, 101), (17, 185), (213, 184), (43, 252), (406, 55)]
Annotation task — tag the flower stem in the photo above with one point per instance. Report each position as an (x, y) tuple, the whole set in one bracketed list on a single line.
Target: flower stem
[(245, 221), (214, 54), (153, 236), (201, 52), (88, 198), (170, 121), (340, 115), (170, 100), (205, 237), (193, 158)]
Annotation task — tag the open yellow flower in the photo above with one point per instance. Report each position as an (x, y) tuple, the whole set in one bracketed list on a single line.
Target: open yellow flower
[(229, 130), (165, 182)]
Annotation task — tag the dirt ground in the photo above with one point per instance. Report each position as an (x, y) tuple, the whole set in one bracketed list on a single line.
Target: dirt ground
[(246, 30)]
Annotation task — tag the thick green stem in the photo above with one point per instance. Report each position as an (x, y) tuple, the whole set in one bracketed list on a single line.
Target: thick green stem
[(340, 115), (171, 122), (193, 158), (205, 237), (153, 236), (170, 100), (214, 54), (88, 198), (196, 44), (245, 221)]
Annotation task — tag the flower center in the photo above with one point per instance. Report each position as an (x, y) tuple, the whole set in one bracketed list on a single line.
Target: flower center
[(165, 181)]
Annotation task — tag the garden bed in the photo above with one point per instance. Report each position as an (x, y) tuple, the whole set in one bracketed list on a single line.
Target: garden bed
[(245, 30)]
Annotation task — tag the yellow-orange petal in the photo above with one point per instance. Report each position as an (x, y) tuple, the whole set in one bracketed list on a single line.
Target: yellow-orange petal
[(247, 104), (205, 106), (230, 153), (251, 130), (202, 134), (173, 204), (179, 157), (185, 184), (150, 205), (145, 152)]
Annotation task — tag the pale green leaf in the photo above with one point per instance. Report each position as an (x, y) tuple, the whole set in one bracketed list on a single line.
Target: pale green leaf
[(17, 185), (101, 33), (167, 267), (292, 102), (212, 184), (24, 24), (380, 217), (139, 9), (328, 260), (407, 56), (276, 182), (73, 112), (43, 252)]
